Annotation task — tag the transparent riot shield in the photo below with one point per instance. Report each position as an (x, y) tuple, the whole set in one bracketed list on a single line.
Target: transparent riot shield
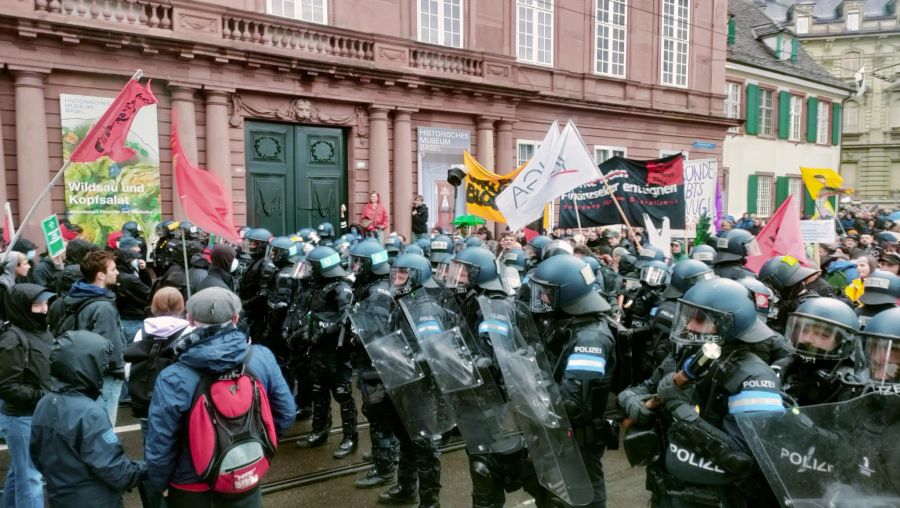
[(466, 383), (396, 358), (535, 399), (830, 455)]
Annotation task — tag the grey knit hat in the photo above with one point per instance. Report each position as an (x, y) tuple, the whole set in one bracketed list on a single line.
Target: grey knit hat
[(213, 306)]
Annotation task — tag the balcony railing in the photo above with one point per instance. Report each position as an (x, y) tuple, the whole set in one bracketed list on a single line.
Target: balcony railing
[(129, 12), (279, 35)]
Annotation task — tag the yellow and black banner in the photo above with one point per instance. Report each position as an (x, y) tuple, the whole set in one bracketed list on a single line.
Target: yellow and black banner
[(482, 187)]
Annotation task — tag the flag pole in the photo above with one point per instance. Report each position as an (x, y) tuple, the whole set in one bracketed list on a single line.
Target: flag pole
[(187, 278), (614, 200), (577, 214)]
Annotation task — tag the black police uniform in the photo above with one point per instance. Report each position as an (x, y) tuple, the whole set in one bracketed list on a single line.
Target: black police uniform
[(253, 292), (282, 290), (638, 315)]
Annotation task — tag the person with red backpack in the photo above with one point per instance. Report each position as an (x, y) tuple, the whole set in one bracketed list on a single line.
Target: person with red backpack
[(216, 413)]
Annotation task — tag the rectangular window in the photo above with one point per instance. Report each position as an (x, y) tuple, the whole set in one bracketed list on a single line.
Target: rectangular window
[(802, 24), (534, 31), (666, 153), (314, 11), (525, 151), (611, 27), (822, 130), (440, 22), (853, 21), (675, 42), (795, 188), (764, 195), (795, 118), (604, 153), (733, 92), (766, 110)]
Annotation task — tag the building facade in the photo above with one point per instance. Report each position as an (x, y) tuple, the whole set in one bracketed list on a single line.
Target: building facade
[(303, 106), (858, 40), (791, 108)]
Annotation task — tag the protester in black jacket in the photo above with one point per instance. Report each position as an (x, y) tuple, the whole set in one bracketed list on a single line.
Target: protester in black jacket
[(223, 263), (24, 377), (132, 294), (73, 442), (48, 270), (419, 219)]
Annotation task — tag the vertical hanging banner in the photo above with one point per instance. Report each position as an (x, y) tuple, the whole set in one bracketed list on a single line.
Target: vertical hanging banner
[(103, 194), (482, 187), (438, 149), (652, 187), (699, 191)]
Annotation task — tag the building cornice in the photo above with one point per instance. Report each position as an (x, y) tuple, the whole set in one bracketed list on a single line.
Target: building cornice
[(786, 78)]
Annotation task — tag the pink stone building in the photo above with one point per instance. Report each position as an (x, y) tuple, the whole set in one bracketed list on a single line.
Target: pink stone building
[(304, 105)]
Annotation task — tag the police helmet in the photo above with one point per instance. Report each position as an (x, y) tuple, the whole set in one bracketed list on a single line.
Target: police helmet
[(881, 288), (736, 245), (650, 253), (556, 247), (166, 227), (369, 256), (881, 347), (761, 296), (350, 238), (535, 246), (684, 275), (189, 228), (655, 273), (413, 249), (258, 239), (822, 328), (242, 232), (704, 253), (425, 245), (322, 262), (342, 246), (393, 246), (717, 310), (627, 263), (781, 273), (326, 230), (281, 250), (474, 266), (132, 229), (309, 235), (565, 283), (442, 269), (474, 241), (409, 272), (594, 263), (440, 246)]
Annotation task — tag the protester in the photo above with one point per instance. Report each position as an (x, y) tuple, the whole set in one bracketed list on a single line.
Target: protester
[(48, 270), (223, 263), (419, 218), (131, 292), (15, 268), (374, 217)]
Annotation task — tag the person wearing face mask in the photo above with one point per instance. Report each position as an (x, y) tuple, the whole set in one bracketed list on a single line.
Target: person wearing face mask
[(132, 293), (223, 263), (24, 378), (15, 269)]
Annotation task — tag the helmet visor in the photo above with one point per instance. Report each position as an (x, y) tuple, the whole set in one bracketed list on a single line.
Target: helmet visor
[(544, 297), (512, 259), (813, 337), (440, 274), (883, 357), (360, 264), (302, 270), (461, 275), (753, 248), (403, 278), (695, 325), (654, 276)]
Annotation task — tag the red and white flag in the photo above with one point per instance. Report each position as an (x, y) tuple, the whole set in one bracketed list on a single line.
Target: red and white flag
[(202, 195), (780, 237)]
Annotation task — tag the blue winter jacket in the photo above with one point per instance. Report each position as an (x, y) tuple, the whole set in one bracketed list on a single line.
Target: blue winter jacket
[(165, 449)]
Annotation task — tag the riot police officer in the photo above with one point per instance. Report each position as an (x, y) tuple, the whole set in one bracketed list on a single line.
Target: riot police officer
[(684, 275), (637, 313), (533, 250), (165, 233), (281, 291), (706, 461), (881, 347), (822, 332), (882, 292), (326, 234), (704, 253), (133, 229), (786, 276), (732, 251), (254, 283), (330, 298), (441, 245), (581, 347)]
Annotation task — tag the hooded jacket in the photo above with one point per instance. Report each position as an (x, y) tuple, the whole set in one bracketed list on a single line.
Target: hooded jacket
[(101, 317), (217, 277), (214, 350), (46, 273), (7, 280), (161, 328), (198, 271), (25, 350), (73, 443), (132, 295)]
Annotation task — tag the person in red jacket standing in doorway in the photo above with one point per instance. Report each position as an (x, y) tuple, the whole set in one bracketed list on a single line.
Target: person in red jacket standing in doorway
[(374, 217)]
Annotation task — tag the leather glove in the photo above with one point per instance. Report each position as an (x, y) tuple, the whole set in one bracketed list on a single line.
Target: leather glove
[(668, 391), (635, 409)]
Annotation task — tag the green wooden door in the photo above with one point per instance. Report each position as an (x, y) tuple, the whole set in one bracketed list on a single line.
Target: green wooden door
[(296, 175)]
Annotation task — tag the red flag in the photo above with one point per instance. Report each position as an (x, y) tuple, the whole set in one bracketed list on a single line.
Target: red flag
[(780, 237), (202, 195), (107, 136)]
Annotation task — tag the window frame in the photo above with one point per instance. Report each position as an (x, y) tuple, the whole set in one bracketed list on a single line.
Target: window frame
[(797, 26), (852, 26), (611, 27), (662, 45), (826, 118), (665, 152), (535, 144), (795, 119), (298, 11), (535, 36), (773, 108), (770, 190), (729, 104), (611, 150), (441, 29)]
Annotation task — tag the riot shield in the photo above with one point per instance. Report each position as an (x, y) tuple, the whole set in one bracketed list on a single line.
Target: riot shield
[(536, 400), (467, 386), (395, 356), (830, 455)]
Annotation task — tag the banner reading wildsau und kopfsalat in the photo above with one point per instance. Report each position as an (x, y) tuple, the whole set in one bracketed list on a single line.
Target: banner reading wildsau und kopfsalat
[(654, 187)]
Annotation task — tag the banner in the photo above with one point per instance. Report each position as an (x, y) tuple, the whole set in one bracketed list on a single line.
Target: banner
[(823, 183), (700, 178), (102, 195), (653, 187), (781, 236), (817, 231), (482, 187), (438, 149)]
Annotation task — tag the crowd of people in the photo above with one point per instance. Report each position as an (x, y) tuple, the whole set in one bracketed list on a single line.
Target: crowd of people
[(207, 339)]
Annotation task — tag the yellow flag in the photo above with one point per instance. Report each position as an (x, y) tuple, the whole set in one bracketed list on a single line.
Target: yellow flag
[(482, 187), (823, 183)]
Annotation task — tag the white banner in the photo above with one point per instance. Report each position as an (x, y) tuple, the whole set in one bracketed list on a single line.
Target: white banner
[(817, 231), (699, 191)]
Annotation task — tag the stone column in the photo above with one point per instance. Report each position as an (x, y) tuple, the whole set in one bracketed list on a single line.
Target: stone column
[(403, 175), (32, 156), (379, 160), (183, 106), (505, 157), (484, 140), (218, 149)]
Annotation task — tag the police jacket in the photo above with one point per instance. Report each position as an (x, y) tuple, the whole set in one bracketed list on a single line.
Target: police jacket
[(25, 347), (165, 447), (329, 305), (733, 270), (812, 382), (74, 445)]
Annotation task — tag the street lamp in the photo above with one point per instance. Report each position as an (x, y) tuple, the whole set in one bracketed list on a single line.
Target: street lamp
[(456, 174)]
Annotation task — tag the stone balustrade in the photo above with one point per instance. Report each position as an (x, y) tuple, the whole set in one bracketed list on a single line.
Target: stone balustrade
[(130, 12), (444, 61), (279, 35)]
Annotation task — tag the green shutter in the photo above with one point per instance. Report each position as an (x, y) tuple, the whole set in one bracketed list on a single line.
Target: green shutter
[(794, 49), (812, 119), (751, 193), (731, 30), (809, 204), (784, 114), (752, 124), (782, 188), (836, 123)]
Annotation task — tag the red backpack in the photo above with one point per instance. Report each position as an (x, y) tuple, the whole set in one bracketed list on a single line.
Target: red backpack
[(231, 433)]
